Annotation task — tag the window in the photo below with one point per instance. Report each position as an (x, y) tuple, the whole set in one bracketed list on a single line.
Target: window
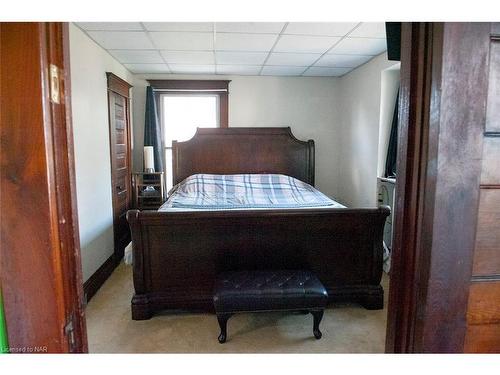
[(181, 115), (185, 106)]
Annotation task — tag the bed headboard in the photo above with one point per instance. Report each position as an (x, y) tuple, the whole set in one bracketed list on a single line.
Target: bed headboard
[(244, 150)]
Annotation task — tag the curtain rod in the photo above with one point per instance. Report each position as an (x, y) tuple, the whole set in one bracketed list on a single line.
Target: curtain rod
[(190, 90)]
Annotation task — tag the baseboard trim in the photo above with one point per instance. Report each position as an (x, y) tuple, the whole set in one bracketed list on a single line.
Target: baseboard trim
[(94, 283)]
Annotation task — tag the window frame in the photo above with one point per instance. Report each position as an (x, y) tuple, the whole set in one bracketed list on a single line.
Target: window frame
[(219, 88), (196, 87)]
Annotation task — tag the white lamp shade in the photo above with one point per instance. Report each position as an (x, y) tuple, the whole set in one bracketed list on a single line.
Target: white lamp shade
[(149, 158)]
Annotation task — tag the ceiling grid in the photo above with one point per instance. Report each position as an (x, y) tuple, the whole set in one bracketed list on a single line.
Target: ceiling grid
[(240, 48)]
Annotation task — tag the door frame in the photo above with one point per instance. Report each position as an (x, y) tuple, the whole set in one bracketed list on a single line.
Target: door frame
[(40, 270), (437, 189), (421, 281)]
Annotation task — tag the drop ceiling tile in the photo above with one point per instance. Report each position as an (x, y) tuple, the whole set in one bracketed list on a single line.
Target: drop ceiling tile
[(292, 59), (369, 30), (252, 70), (136, 56), (110, 26), (244, 42), (189, 57), (283, 70), (121, 39), (250, 27), (243, 58), (305, 44), (147, 68), (360, 46), (183, 41), (192, 69), (179, 26), (321, 72), (320, 28), (342, 61)]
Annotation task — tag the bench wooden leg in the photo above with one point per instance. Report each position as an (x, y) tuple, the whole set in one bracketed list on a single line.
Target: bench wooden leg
[(317, 316), (222, 319)]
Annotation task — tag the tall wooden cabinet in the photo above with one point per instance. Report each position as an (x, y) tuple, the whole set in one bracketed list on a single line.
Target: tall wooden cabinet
[(120, 141)]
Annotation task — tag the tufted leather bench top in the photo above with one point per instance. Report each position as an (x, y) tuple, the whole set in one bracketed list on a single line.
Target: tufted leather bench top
[(268, 290)]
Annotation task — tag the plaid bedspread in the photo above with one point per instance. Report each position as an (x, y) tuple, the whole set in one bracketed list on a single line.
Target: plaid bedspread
[(222, 192)]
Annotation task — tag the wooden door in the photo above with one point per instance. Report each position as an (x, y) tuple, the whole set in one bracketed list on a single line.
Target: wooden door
[(483, 312), (119, 136), (40, 263), (447, 149)]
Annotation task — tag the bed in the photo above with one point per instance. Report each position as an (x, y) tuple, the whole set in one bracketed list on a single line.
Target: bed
[(212, 224)]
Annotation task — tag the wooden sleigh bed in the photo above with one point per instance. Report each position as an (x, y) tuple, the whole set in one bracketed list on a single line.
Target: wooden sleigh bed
[(178, 254)]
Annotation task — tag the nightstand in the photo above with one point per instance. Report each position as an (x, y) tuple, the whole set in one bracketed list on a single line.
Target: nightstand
[(149, 191)]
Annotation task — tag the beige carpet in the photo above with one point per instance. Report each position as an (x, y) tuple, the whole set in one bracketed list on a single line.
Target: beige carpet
[(346, 328)]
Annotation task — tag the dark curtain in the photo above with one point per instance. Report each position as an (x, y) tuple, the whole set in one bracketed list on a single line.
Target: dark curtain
[(390, 162), (152, 129)]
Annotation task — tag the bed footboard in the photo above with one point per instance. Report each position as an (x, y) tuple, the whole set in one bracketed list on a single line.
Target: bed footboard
[(178, 254)]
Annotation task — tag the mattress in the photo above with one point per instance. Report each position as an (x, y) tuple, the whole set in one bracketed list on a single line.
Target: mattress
[(245, 192)]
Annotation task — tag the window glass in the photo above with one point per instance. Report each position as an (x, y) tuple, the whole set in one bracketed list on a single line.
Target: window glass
[(181, 115)]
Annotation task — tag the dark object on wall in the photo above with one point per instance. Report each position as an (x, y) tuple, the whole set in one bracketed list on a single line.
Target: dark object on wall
[(120, 142), (152, 129), (392, 150), (177, 255), (393, 36)]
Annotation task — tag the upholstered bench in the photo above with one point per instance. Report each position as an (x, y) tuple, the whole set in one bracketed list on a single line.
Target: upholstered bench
[(254, 291)]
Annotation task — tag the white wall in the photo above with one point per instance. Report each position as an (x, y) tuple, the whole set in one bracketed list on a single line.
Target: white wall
[(89, 63), (306, 104), (359, 117)]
